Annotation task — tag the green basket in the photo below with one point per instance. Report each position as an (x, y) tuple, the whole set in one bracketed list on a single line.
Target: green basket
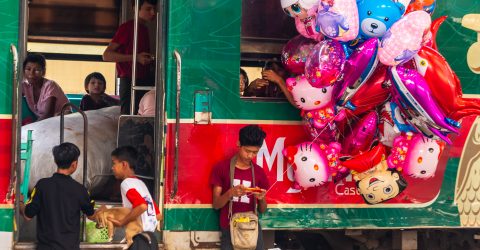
[(95, 235)]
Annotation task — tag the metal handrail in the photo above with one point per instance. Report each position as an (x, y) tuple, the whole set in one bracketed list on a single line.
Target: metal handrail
[(134, 59), (85, 146), (178, 58), (15, 117)]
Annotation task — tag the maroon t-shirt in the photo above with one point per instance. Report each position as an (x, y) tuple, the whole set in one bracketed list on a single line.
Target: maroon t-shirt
[(124, 37), (221, 177)]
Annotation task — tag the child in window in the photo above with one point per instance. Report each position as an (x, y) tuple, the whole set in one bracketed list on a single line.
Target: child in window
[(96, 98)]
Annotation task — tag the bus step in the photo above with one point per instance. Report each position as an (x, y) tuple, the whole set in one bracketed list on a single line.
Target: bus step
[(90, 246)]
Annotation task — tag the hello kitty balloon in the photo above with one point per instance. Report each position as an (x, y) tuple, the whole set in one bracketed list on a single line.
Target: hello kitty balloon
[(312, 164), (415, 155)]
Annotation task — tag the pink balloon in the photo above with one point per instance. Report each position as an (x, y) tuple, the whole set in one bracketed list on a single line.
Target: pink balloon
[(361, 137), (295, 53), (307, 26), (312, 164), (404, 38), (325, 63), (338, 19), (415, 155)]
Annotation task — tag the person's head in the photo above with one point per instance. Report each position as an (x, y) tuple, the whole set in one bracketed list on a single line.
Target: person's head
[(95, 83), (66, 156), (124, 161), (243, 80), (249, 142), (381, 186), (34, 66), (147, 9)]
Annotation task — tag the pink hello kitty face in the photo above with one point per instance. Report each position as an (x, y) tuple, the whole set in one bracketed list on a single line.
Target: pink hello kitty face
[(307, 97), (310, 164), (422, 157), (416, 155)]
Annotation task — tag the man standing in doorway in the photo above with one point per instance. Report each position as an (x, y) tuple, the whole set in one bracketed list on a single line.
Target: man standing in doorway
[(120, 50)]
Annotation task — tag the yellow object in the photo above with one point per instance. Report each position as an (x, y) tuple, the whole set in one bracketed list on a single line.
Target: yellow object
[(243, 220)]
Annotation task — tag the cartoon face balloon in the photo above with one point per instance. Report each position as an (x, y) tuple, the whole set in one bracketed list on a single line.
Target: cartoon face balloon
[(338, 19), (416, 155), (298, 8), (295, 53), (325, 63), (404, 38), (377, 16), (311, 163)]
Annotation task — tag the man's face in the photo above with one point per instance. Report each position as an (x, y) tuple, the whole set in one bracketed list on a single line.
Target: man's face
[(147, 11), (118, 168), (248, 153), (379, 186)]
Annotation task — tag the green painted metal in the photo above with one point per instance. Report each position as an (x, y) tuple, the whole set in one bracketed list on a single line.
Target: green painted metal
[(6, 219), (9, 16), (441, 213), (207, 36), (454, 40)]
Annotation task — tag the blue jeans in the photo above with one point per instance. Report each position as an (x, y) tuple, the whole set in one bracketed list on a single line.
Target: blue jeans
[(226, 241)]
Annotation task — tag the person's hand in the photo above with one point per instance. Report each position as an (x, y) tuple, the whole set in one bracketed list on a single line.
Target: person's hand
[(144, 58), (258, 83), (270, 75), (238, 191), (116, 223), (260, 195)]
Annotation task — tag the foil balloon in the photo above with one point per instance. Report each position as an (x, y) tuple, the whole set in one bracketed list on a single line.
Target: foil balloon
[(361, 137), (392, 124), (444, 84), (312, 164), (357, 70), (434, 30), (377, 16), (425, 5), (375, 181), (295, 53), (338, 19), (318, 109), (404, 38), (415, 95), (415, 155), (325, 63), (304, 12), (369, 95)]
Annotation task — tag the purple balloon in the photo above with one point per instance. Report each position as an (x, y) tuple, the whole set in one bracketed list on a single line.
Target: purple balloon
[(413, 91), (358, 69), (295, 53), (325, 63)]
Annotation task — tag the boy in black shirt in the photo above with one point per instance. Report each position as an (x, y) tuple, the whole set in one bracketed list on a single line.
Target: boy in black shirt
[(57, 201)]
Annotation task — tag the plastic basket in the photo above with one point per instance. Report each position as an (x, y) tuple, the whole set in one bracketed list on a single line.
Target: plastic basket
[(95, 235)]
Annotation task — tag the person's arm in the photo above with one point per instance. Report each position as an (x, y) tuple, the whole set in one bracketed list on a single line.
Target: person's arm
[(220, 200), (49, 110), (262, 202), (32, 207), (111, 55), (133, 215), (274, 77)]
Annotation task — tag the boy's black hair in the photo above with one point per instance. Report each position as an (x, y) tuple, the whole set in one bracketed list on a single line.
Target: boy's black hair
[(251, 135), (35, 58), (401, 182), (96, 75), (141, 2), (128, 154), (65, 154), (245, 77)]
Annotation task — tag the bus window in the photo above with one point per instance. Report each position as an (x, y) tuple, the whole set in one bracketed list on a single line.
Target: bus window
[(265, 30)]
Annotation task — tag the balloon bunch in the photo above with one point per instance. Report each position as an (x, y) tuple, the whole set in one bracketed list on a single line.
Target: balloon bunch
[(377, 98)]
